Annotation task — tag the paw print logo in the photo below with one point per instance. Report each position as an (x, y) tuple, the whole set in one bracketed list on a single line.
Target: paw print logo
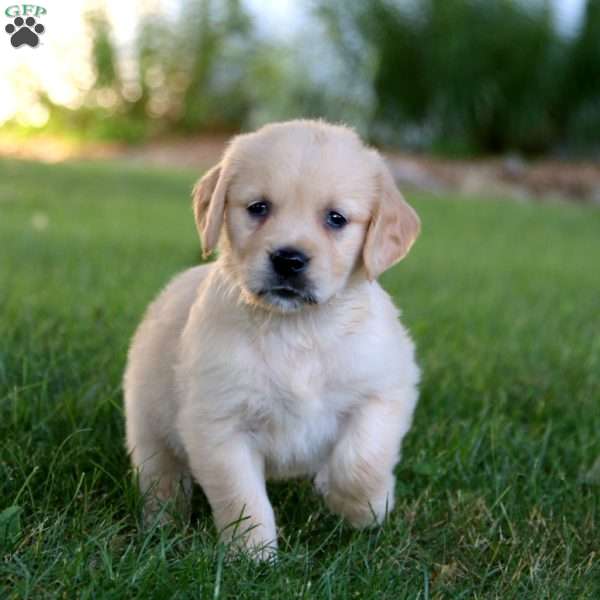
[(24, 31)]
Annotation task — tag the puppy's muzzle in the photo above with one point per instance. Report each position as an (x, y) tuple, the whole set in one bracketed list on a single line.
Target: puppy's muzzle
[(288, 281), (289, 262)]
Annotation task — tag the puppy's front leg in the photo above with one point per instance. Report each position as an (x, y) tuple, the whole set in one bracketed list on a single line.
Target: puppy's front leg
[(231, 473), (358, 481)]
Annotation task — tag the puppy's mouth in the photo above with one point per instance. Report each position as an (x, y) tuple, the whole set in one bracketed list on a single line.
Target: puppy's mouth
[(286, 296)]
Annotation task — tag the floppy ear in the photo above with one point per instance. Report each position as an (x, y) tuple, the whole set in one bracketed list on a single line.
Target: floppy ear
[(393, 228), (209, 207)]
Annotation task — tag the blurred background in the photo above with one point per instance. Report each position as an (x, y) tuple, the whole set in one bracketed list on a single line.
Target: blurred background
[(509, 89)]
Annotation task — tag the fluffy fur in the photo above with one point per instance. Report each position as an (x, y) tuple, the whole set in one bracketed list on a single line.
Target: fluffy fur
[(230, 383)]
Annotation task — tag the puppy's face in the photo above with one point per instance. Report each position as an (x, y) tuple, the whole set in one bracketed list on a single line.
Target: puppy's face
[(304, 205)]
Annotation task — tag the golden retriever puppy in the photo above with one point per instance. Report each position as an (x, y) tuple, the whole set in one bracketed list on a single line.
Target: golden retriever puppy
[(284, 357)]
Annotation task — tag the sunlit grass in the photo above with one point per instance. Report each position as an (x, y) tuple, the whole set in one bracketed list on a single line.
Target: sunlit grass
[(503, 300)]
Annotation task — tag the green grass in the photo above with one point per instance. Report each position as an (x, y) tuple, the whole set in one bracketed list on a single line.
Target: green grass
[(503, 300)]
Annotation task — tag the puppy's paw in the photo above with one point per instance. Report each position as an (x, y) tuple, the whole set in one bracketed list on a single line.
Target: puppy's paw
[(321, 481), (171, 508), (360, 508), (254, 542), (157, 514)]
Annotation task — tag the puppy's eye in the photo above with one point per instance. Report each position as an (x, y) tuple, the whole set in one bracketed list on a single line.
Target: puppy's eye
[(335, 220), (260, 208)]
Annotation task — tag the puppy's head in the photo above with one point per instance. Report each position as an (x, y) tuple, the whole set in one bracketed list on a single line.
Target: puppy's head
[(302, 206)]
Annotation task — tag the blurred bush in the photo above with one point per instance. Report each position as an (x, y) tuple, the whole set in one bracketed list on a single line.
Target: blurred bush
[(474, 75), (580, 101), (187, 73), (453, 76)]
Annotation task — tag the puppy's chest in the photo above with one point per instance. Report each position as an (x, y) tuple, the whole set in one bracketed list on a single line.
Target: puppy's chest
[(296, 407)]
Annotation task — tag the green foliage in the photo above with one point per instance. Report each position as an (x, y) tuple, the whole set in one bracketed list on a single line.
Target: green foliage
[(581, 101), (190, 75), (493, 497), (455, 76), (191, 67), (92, 122), (484, 75), (216, 43), (491, 69), (104, 56), (284, 85), (474, 75)]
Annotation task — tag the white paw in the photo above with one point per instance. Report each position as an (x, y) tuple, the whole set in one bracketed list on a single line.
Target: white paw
[(321, 481), (255, 541), (359, 508)]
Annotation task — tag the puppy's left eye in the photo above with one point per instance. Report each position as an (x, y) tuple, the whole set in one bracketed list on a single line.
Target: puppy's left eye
[(259, 209), (335, 220)]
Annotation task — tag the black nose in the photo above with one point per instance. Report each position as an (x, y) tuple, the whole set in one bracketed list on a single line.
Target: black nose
[(289, 261)]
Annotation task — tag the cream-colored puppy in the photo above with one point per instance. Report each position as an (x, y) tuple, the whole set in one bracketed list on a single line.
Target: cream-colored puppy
[(284, 357)]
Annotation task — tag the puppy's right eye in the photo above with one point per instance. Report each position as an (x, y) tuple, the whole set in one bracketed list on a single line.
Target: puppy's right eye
[(259, 209)]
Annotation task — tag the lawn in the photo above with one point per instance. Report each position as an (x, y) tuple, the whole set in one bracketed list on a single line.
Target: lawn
[(495, 496)]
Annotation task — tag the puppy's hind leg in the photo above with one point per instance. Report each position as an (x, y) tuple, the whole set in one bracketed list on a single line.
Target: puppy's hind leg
[(164, 481)]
